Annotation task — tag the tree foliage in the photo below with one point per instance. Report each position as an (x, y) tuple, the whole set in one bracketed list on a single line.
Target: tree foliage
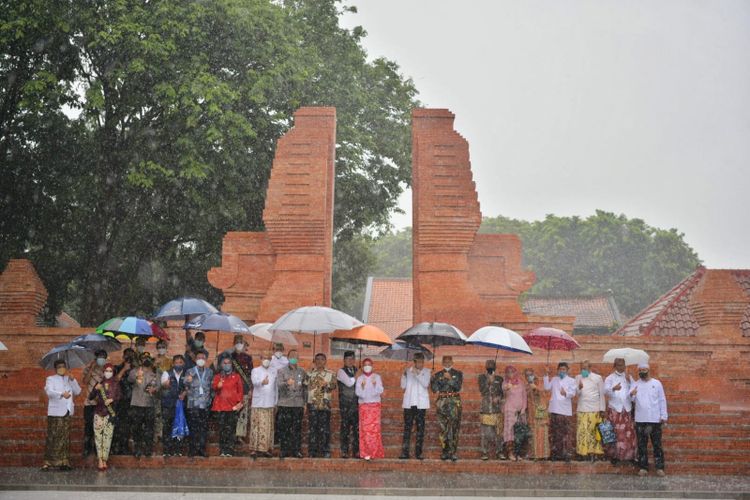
[(136, 134)]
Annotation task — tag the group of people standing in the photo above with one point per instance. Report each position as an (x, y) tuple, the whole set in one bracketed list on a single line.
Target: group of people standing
[(264, 405)]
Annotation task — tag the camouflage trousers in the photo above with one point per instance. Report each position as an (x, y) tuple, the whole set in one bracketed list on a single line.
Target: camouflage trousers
[(449, 419)]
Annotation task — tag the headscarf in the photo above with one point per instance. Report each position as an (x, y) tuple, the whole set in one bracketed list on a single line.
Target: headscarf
[(366, 361), (511, 375)]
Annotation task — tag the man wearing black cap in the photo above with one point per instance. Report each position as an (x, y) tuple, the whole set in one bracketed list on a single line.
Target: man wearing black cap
[(348, 406)]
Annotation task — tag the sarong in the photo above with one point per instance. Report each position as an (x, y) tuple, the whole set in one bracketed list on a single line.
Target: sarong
[(561, 436), (586, 442), (625, 446), (370, 439), (261, 429), (539, 441), (104, 428), (57, 450)]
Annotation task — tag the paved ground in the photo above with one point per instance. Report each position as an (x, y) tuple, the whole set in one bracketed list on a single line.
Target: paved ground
[(26, 483)]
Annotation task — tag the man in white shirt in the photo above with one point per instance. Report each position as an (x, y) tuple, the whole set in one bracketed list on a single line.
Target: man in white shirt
[(619, 406), (60, 389), (278, 361), (263, 378), (590, 412), (562, 391), (650, 416), (415, 382)]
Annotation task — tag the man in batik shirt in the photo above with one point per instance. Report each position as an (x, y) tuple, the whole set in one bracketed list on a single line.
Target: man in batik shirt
[(320, 384)]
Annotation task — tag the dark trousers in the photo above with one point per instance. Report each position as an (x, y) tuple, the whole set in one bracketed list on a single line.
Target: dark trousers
[(560, 436), (88, 430), (227, 421), (642, 432), (142, 427), (411, 416), (123, 426), (170, 446), (290, 430), (319, 433), (198, 425), (349, 414)]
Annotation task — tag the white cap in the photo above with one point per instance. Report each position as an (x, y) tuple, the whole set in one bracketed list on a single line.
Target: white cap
[(643, 366)]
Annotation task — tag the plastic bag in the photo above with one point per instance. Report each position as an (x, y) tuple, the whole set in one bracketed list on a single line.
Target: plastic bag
[(179, 425)]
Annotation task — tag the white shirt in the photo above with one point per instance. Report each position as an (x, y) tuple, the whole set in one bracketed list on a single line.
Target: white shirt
[(55, 386), (278, 363), (264, 396), (345, 379), (371, 391), (559, 404), (650, 401), (620, 399), (591, 397), (416, 388), (165, 376)]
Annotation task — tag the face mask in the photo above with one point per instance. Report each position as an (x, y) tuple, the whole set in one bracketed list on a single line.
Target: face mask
[(367, 369), (101, 361), (643, 375), (178, 368), (162, 351), (530, 378), (61, 370), (292, 361), (584, 373), (108, 374), (226, 368), (619, 372), (447, 367), (141, 348), (239, 347), (561, 375), (490, 370), (201, 363), (198, 343), (266, 363), (278, 354)]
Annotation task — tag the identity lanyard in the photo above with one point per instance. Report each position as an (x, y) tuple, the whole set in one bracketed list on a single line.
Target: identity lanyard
[(200, 380)]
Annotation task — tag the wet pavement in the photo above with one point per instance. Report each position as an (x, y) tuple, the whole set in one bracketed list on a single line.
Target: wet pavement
[(310, 484)]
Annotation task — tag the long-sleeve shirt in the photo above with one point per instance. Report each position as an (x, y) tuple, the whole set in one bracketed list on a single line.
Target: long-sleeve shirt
[(347, 394), (491, 389), (278, 363), (448, 382), (229, 394), (111, 391), (591, 396), (559, 404), (144, 387), (618, 399), (416, 384), (290, 395), (320, 386), (198, 384), (369, 388), (264, 395), (650, 401), (55, 386)]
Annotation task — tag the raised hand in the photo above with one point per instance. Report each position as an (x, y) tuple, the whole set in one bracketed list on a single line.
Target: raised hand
[(563, 393), (617, 387), (265, 380)]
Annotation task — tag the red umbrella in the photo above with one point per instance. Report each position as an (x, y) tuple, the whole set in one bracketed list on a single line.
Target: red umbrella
[(551, 338)]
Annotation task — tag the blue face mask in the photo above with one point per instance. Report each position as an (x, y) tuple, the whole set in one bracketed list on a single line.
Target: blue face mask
[(178, 368), (226, 368), (561, 375), (198, 343), (584, 373), (101, 361)]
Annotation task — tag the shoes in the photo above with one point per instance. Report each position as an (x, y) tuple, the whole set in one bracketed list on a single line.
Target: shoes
[(344, 454), (101, 468), (419, 457), (45, 468), (643, 472), (454, 458), (298, 455), (660, 473), (404, 456), (485, 457), (326, 455), (66, 467), (444, 457), (367, 458)]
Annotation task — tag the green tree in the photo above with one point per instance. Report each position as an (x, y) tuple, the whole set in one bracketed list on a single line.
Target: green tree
[(132, 151)]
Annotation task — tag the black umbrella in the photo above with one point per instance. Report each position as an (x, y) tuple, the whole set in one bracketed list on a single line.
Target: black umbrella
[(404, 352), (183, 308), (95, 342), (220, 322), (74, 356), (434, 334)]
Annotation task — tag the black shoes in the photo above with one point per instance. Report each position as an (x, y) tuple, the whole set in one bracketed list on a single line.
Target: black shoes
[(404, 456)]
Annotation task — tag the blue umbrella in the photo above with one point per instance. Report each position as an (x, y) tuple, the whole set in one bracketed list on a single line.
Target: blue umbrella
[(74, 356), (183, 308), (95, 341)]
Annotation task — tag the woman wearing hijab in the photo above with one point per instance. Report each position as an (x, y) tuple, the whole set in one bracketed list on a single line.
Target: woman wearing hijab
[(515, 404), (369, 387), (105, 395)]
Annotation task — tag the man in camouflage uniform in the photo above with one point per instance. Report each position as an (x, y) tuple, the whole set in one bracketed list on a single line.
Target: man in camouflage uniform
[(447, 383)]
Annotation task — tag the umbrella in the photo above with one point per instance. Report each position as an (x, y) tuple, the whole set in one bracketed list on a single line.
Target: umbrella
[(364, 335), (261, 331), (405, 352), (631, 356), (551, 338), (184, 307), (434, 334), (74, 356), (498, 338), (2, 347), (130, 327), (315, 320), (220, 322), (94, 342)]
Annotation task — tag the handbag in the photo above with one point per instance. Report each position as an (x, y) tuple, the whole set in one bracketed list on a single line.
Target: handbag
[(179, 425), (521, 433), (607, 430)]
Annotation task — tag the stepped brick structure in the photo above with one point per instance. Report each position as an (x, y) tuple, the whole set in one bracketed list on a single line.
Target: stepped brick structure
[(22, 293), (264, 274)]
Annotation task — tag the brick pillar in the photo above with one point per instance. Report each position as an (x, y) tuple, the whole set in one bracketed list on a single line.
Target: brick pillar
[(22, 294)]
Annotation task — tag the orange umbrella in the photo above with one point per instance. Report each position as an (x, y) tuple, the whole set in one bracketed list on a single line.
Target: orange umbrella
[(364, 335)]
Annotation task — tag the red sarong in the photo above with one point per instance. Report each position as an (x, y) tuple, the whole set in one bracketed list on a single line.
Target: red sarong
[(624, 447), (370, 440)]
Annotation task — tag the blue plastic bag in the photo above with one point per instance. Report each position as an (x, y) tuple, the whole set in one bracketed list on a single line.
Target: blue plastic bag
[(179, 425), (607, 431)]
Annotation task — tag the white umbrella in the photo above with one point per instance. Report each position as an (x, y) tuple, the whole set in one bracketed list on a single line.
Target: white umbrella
[(261, 331), (315, 320), (631, 356), (2, 347), (498, 338)]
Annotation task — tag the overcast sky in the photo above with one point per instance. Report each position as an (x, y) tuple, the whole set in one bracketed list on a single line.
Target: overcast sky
[(634, 107)]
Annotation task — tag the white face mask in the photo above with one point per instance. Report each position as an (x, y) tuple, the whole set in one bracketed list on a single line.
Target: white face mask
[(200, 362), (239, 347), (367, 369), (162, 351), (266, 363), (447, 367), (278, 354), (108, 374), (140, 348)]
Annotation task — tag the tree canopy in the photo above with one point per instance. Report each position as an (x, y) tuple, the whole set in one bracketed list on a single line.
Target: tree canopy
[(136, 134)]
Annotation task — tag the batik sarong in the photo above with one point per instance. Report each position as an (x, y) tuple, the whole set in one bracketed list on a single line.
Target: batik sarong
[(57, 450), (261, 429), (625, 446), (370, 439), (586, 434), (104, 428)]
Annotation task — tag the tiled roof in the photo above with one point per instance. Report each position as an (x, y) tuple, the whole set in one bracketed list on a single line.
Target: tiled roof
[(743, 279), (388, 304), (593, 313), (670, 314)]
